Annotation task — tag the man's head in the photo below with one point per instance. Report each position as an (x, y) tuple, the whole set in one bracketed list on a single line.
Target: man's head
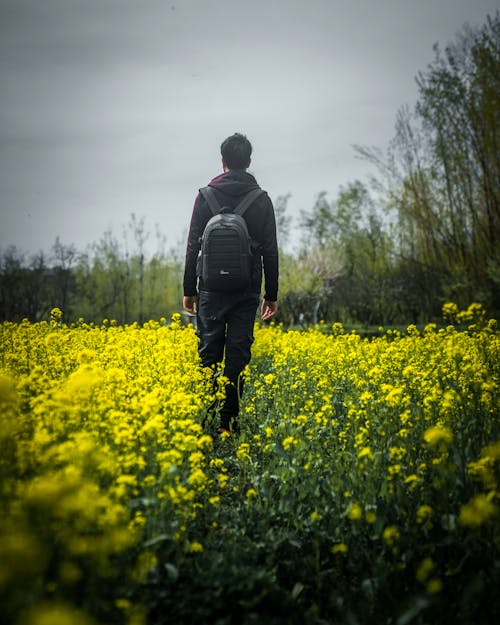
[(236, 151)]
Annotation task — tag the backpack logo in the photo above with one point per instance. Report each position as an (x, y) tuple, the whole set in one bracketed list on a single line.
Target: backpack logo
[(226, 251)]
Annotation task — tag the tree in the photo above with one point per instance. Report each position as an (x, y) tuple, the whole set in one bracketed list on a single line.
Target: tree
[(64, 257), (283, 220), (346, 254), (459, 106), (442, 169), (101, 276), (12, 287), (318, 224), (137, 227)]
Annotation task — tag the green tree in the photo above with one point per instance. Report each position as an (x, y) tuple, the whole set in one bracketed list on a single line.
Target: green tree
[(363, 288), (441, 175), (459, 105), (346, 257), (64, 258), (283, 220), (101, 276), (12, 284)]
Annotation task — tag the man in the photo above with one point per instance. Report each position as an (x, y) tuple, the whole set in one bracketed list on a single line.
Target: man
[(225, 320)]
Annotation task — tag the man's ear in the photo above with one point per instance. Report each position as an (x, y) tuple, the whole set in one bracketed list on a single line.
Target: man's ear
[(224, 166)]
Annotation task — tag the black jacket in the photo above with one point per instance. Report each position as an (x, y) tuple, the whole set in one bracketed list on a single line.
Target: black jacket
[(230, 188)]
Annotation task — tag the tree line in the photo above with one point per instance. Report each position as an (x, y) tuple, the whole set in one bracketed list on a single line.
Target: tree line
[(424, 230), (113, 279), (427, 229)]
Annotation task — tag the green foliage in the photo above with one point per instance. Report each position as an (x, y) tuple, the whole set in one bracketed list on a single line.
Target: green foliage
[(440, 175), (104, 282), (343, 270)]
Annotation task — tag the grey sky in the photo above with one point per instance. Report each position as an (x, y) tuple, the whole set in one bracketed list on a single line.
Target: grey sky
[(113, 107)]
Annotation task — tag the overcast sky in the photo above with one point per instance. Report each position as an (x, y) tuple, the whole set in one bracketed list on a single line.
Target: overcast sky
[(113, 107)]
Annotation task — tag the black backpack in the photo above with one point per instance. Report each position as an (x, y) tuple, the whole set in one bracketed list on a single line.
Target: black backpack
[(225, 258)]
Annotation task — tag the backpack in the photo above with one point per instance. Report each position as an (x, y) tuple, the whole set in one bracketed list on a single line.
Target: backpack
[(226, 250)]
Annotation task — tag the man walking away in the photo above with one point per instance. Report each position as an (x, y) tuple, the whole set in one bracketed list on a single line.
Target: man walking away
[(226, 313)]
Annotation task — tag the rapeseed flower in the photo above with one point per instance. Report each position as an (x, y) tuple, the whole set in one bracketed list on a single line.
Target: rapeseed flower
[(366, 452), (478, 511), (195, 547), (438, 436), (354, 512), (56, 613), (391, 535), (424, 569), (289, 442), (243, 451), (424, 512), (102, 443), (339, 548)]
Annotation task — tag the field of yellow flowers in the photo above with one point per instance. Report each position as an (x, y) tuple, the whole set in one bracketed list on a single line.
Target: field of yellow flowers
[(363, 488)]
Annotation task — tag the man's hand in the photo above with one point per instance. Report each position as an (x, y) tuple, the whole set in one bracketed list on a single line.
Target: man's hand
[(268, 309), (189, 304)]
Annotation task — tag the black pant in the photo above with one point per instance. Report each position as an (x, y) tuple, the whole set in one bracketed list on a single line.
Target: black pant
[(225, 323)]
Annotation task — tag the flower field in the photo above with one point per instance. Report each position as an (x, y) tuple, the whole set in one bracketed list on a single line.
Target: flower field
[(363, 488)]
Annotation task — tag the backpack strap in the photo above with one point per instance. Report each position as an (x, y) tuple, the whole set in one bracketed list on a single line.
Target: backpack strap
[(209, 195), (247, 201)]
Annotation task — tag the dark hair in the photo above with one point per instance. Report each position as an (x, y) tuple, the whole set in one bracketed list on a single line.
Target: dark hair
[(236, 151)]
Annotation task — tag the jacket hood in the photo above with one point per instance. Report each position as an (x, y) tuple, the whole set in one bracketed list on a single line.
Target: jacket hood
[(234, 183)]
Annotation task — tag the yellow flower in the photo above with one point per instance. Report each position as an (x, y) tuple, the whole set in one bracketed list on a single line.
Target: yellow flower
[(56, 313), (55, 614), (483, 471), (424, 569), (424, 512), (243, 451), (450, 311), (438, 435), (492, 451), (197, 478), (412, 481), (354, 512), (288, 442), (394, 397), (100, 429), (394, 470), (366, 397), (195, 547), (370, 517), (397, 453), (366, 452), (478, 511), (339, 548), (391, 535), (145, 562), (123, 604)]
